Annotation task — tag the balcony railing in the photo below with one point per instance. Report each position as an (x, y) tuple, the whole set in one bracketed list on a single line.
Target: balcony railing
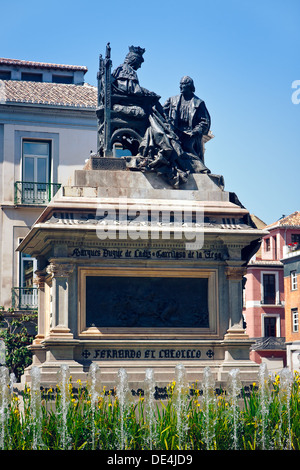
[(269, 343), (25, 298), (295, 246), (34, 193)]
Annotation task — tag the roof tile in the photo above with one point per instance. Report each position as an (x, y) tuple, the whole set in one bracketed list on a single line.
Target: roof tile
[(40, 65), (289, 220), (52, 94)]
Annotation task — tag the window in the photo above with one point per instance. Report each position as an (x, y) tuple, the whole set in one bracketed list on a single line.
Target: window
[(294, 285), (267, 244), (5, 75), (31, 77), (295, 320), (269, 289), (35, 178), (295, 238), (68, 79), (35, 161), (36, 157), (26, 295), (275, 247), (270, 326), (27, 269)]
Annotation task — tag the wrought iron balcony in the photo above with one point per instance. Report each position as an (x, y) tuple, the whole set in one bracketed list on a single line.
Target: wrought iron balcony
[(25, 298), (34, 193), (269, 343)]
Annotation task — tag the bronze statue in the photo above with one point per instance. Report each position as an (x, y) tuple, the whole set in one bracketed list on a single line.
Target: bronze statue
[(168, 139), (189, 117), (123, 105), (173, 142), (124, 77)]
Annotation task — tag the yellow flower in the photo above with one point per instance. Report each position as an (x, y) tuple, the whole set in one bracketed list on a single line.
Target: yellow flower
[(297, 377), (277, 380)]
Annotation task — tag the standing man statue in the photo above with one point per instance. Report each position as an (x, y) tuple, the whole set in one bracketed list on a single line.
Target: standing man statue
[(189, 118), (173, 143)]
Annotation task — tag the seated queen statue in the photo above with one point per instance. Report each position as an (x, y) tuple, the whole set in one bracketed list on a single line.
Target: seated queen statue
[(125, 83)]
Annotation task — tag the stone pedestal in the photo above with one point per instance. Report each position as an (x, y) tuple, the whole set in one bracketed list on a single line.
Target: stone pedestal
[(139, 275)]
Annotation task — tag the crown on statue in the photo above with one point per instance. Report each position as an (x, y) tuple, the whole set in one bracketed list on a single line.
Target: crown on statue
[(137, 50)]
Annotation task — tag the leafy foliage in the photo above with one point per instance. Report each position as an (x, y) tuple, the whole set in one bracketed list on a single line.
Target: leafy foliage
[(195, 425), (17, 339)]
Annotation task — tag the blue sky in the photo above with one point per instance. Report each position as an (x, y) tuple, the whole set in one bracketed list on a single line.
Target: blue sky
[(242, 54)]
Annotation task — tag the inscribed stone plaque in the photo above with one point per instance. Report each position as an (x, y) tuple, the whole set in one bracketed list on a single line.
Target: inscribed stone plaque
[(156, 302)]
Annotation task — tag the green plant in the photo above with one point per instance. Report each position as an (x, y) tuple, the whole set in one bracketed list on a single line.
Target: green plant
[(17, 339), (97, 425)]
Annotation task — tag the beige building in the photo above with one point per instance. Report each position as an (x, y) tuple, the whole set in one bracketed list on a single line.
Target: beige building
[(48, 128)]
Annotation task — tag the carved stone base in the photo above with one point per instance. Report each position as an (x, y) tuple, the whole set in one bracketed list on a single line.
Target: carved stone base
[(105, 163), (162, 356), (61, 331), (236, 335), (38, 339)]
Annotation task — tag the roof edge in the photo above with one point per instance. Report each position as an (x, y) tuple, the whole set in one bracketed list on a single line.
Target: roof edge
[(43, 65)]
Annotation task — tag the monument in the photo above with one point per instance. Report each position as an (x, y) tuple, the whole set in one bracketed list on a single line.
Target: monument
[(141, 258)]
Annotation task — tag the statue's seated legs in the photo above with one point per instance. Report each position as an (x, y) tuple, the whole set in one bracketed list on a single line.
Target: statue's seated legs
[(129, 120)]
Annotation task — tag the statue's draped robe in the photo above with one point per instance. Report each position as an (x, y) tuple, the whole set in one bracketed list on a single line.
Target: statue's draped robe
[(166, 148), (189, 116), (126, 80)]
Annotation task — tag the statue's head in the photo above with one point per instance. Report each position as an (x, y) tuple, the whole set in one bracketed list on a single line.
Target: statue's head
[(187, 84), (135, 57)]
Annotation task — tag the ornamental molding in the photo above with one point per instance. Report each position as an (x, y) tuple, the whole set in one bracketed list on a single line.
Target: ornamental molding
[(235, 273), (60, 269), (39, 279)]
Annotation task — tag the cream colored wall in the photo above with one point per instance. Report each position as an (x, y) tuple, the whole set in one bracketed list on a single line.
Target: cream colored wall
[(15, 225), (74, 146)]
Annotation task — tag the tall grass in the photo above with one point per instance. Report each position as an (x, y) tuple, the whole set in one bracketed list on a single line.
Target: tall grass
[(267, 417)]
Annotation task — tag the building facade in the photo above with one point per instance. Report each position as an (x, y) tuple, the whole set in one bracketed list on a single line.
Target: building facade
[(48, 128), (272, 296), (291, 263), (264, 300)]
